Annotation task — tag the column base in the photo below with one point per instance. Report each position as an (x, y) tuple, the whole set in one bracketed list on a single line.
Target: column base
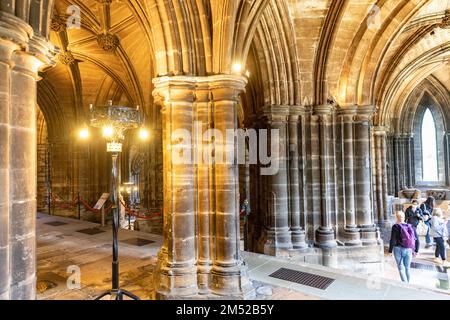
[(370, 235), (299, 240), (232, 282), (325, 238), (203, 276), (352, 236), (173, 280), (385, 228), (278, 243), (26, 290)]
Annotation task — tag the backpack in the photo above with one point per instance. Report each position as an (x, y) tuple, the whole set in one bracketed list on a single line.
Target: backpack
[(407, 236)]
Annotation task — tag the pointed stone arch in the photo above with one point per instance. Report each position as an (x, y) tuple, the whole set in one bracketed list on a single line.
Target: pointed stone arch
[(275, 52)]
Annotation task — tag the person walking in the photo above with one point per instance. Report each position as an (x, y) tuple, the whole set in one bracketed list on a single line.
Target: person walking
[(413, 216), (427, 210), (440, 234), (402, 246)]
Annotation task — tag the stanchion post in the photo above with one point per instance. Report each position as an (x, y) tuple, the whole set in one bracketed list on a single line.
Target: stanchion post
[(103, 215), (49, 204), (79, 206)]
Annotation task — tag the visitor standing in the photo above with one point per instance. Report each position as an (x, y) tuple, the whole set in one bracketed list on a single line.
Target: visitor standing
[(413, 216), (440, 234), (427, 210), (402, 245)]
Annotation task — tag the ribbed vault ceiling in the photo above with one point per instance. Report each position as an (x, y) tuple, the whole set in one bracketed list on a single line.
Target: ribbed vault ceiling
[(298, 51)]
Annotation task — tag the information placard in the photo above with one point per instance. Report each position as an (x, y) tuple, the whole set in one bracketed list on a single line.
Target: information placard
[(101, 201)]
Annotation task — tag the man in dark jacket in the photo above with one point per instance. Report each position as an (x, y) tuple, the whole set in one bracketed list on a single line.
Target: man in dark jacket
[(427, 210), (413, 216)]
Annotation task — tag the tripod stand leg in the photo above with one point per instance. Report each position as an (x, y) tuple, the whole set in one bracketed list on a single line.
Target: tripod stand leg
[(103, 295), (130, 295)]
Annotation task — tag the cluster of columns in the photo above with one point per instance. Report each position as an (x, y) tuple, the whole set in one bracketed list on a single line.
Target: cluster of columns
[(200, 253), (322, 192), (403, 153), (22, 55), (282, 195), (380, 173)]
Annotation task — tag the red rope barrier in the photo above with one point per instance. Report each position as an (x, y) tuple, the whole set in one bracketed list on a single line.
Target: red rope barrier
[(89, 208), (58, 201), (136, 214)]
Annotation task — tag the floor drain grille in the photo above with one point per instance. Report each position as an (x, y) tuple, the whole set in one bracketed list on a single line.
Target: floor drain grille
[(303, 278), (139, 242), (91, 231), (56, 223)]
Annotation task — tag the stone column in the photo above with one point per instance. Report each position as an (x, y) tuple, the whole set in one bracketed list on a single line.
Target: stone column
[(390, 164), (352, 234), (200, 253), (6, 50), (308, 207), (176, 274), (22, 56), (447, 157), (380, 183), (278, 235), (410, 155), (362, 175), (297, 233), (322, 118), (204, 186), (397, 163), (228, 274)]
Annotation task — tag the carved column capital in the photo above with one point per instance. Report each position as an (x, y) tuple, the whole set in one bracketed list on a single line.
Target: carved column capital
[(380, 131), (324, 110), (212, 88), (365, 113), (225, 87), (173, 89)]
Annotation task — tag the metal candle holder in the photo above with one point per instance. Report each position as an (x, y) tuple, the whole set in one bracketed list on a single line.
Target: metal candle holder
[(119, 119)]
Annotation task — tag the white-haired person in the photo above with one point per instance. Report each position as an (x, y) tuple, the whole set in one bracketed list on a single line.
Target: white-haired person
[(440, 234), (403, 245)]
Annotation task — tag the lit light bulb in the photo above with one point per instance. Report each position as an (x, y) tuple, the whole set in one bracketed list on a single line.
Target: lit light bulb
[(108, 132), (237, 68), (84, 133), (143, 134)]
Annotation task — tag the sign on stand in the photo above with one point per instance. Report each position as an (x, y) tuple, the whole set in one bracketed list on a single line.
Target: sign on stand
[(101, 205)]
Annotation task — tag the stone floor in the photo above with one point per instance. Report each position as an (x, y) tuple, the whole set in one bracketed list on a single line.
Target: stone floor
[(61, 248), (429, 275)]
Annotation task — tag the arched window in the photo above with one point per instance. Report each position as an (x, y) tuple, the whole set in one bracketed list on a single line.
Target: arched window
[(429, 148)]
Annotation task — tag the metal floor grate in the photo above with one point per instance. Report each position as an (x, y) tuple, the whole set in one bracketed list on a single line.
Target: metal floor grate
[(56, 223), (91, 231), (428, 267), (139, 242), (303, 278)]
